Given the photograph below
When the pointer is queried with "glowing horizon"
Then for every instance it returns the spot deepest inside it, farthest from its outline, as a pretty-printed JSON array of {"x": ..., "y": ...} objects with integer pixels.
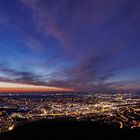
[
  {"x": 19, "y": 87},
  {"x": 85, "y": 45}
]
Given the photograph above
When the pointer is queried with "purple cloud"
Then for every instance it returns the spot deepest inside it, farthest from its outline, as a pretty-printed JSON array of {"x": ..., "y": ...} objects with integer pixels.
[{"x": 95, "y": 39}]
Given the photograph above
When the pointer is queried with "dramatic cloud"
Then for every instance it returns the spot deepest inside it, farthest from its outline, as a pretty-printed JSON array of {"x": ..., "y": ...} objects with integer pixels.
[{"x": 88, "y": 45}]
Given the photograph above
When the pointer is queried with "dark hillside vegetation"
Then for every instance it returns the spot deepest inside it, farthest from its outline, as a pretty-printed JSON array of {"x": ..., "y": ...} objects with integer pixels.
[{"x": 54, "y": 129}]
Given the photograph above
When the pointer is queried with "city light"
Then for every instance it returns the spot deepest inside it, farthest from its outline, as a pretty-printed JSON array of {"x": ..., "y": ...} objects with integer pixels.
[{"x": 119, "y": 112}]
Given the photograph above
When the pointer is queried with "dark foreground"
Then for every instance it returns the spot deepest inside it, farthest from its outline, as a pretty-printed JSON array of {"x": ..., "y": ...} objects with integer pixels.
[{"x": 50, "y": 130}]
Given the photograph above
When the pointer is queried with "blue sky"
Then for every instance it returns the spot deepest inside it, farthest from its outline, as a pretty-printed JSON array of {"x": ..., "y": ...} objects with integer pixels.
[{"x": 90, "y": 45}]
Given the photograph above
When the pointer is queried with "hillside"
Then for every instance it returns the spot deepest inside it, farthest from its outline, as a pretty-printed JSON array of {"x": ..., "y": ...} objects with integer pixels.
[{"x": 54, "y": 129}]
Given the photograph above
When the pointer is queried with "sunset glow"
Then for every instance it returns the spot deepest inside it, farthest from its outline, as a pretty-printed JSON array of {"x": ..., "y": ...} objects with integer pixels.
[
  {"x": 85, "y": 45},
  {"x": 18, "y": 87}
]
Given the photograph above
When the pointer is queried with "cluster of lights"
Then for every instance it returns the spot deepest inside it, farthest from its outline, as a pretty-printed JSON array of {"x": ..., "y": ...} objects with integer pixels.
[{"x": 120, "y": 110}]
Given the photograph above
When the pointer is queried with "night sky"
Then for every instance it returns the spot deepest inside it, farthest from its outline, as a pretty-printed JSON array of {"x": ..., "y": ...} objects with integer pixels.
[{"x": 83, "y": 45}]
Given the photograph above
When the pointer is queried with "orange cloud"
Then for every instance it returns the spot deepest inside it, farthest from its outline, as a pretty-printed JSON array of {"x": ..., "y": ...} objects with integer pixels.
[{"x": 17, "y": 87}]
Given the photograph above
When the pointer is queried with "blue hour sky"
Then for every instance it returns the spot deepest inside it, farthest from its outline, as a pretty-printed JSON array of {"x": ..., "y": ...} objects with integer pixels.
[{"x": 86, "y": 45}]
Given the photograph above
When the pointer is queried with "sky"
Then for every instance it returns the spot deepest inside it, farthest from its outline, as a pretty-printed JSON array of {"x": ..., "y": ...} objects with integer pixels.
[{"x": 79, "y": 45}]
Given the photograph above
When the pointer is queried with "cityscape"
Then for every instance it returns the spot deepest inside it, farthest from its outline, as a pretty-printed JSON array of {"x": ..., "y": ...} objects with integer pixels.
[
  {"x": 69, "y": 66},
  {"x": 118, "y": 110}
]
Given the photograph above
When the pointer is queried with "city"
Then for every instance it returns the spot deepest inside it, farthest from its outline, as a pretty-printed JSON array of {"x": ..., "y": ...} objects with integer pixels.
[
  {"x": 69, "y": 67},
  {"x": 118, "y": 110}
]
